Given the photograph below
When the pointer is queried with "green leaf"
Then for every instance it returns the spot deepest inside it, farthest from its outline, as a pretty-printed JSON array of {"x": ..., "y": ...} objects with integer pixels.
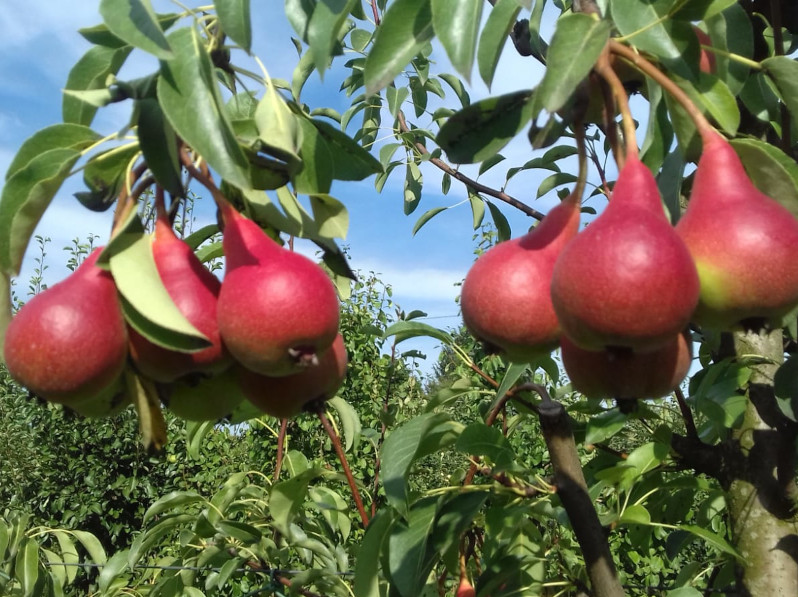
[
  {"x": 104, "y": 175},
  {"x": 68, "y": 553},
  {"x": 700, "y": 10},
  {"x": 90, "y": 72},
  {"x": 146, "y": 302},
  {"x": 784, "y": 73},
  {"x": 480, "y": 440},
  {"x": 135, "y": 22},
  {"x": 100, "y": 35},
  {"x": 406, "y": 27},
  {"x": 158, "y": 144},
  {"x": 553, "y": 181},
  {"x": 25, "y": 197},
  {"x": 500, "y": 221},
  {"x": 27, "y": 566},
  {"x": 407, "y": 549},
  {"x": 56, "y": 136},
  {"x": 287, "y": 497},
  {"x": 116, "y": 565},
  {"x": 235, "y": 19},
  {"x": 350, "y": 160},
  {"x": 635, "y": 514},
  {"x": 239, "y": 530},
  {"x": 171, "y": 501},
  {"x": 480, "y": 130},
  {"x": 330, "y": 216},
  {"x": 324, "y": 29},
  {"x": 604, "y": 426},
  {"x": 190, "y": 99},
  {"x": 494, "y": 37},
  {"x": 713, "y": 539},
  {"x": 350, "y": 421},
  {"x": 646, "y": 26},
  {"x": 369, "y": 553},
  {"x": 458, "y": 88},
  {"x": 418, "y": 437},
  {"x": 92, "y": 545},
  {"x": 316, "y": 173},
  {"x": 426, "y": 217},
  {"x": 5, "y": 319},
  {"x": 280, "y": 130},
  {"x": 477, "y": 209},
  {"x": 404, "y": 330},
  {"x": 456, "y": 23},
  {"x": 413, "y": 187},
  {"x": 575, "y": 47},
  {"x": 771, "y": 170}
]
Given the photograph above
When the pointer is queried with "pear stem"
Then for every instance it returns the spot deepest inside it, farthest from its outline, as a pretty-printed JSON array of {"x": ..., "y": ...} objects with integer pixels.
[
  {"x": 647, "y": 68},
  {"x": 581, "y": 153},
  {"x": 604, "y": 69},
  {"x": 278, "y": 465},
  {"x": 203, "y": 176},
  {"x": 339, "y": 450},
  {"x": 160, "y": 204}
]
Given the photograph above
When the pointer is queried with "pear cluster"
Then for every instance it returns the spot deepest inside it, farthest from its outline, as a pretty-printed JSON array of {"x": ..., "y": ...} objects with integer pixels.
[
  {"x": 271, "y": 326},
  {"x": 618, "y": 297}
]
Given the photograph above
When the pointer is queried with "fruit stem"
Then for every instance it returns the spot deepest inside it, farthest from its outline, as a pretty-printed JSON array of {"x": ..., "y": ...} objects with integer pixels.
[
  {"x": 687, "y": 414},
  {"x": 278, "y": 465},
  {"x": 339, "y": 450},
  {"x": 647, "y": 68},
  {"x": 203, "y": 176},
  {"x": 581, "y": 153},
  {"x": 160, "y": 204},
  {"x": 604, "y": 69}
]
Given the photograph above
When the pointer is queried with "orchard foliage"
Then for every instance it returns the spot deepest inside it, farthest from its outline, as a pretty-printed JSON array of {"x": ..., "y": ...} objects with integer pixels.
[{"x": 501, "y": 474}]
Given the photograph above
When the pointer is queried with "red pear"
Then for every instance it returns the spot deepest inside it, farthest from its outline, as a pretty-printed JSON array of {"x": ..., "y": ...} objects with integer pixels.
[
  {"x": 707, "y": 62},
  {"x": 744, "y": 243},
  {"x": 278, "y": 310},
  {"x": 284, "y": 397},
  {"x": 465, "y": 589},
  {"x": 69, "y": 343},
  {"x": 194, "y": 290},
  {"x": 627, "y": 280},
  {"x": 504, "y": 299},
  {"x": 624, "y": 374}
]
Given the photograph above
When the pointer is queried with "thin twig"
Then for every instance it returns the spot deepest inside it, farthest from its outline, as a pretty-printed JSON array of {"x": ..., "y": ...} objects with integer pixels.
[
  {"x": 375, "y": 13},
  {"x": 687, "y": 414},
  {"x": 339, "y": 450},
  {"x": 278, "y": 465},
  {"x": 385, "y": 402},
  {"x": 469, "y": 182}
]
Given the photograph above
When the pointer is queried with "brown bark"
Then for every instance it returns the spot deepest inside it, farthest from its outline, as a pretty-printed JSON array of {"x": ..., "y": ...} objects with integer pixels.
[{"x": 761, "y": 492}]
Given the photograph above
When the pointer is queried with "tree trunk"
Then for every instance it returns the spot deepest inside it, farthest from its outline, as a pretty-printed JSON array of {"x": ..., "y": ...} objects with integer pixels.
[{"x": 761, "y": 494}]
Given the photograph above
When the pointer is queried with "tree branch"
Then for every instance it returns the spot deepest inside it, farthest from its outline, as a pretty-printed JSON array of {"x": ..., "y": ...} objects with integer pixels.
[
  {"x": 469, "y": 182},
  {"x": 339, "y": 450}
]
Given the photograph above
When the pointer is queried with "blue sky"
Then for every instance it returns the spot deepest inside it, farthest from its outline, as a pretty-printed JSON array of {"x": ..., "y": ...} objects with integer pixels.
[{"x": 41, "y": 44}]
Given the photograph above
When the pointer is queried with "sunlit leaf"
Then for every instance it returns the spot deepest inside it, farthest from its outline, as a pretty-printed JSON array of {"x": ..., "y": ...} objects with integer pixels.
[{"x": 135, "y": 22}]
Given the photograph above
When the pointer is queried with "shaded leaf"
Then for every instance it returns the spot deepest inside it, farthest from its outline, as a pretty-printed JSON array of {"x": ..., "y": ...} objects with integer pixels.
[
  {"x": 90, "y": 72},
  {"x": 190, "y": 99},
  {"x": 575, "y": 47},
  {"x": 456, "y": 24},
  {"x": 25, "y": 197},
  {"x": 479, "y": 131},
  {"x": 235, "y": 19},
  {"x": 494, "y": 37},
  {"x": 135, "y": 22},
  {"x": 158, "y": 144},
  {"x": 406, "y": 27}
]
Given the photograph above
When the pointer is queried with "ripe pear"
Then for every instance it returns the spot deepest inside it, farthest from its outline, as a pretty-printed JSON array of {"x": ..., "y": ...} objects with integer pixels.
[
  {"x": 744, "y": 243},
  {"x": 194, "y": 290},
  {"x": 627, "y": 280},
  {"x": 278, "y": 310},
  {"x": 284, "y": 397},
  {"x": 624, "y": 374},
  {"x": 465, "y": 589},
  {"x": 203, "y": 398},
  {"x": 69, "y": 342},
  {"x": 504, "y": 299},
  {"x": 707, "y": 62}
]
